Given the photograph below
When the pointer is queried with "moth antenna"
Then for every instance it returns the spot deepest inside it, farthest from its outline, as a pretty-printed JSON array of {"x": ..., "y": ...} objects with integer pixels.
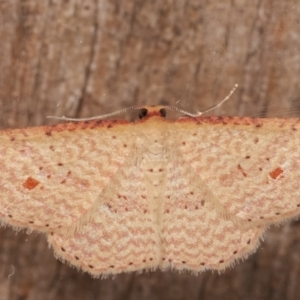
[
  {"x": 118, "y": 112},
  {"x": 199, "y": 113}
]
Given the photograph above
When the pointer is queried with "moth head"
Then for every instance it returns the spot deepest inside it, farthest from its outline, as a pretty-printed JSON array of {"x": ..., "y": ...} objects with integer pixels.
[{"x": 150, "y": 111}]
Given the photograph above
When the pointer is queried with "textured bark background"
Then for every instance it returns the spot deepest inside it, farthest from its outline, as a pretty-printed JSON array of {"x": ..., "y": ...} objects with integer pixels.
[{"x": 83, "y": 58}]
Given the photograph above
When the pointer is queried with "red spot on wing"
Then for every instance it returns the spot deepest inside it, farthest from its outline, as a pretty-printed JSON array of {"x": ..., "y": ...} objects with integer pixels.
[
  {"x": 276, "y": 172},
  {"x": 30, "y": 183}
]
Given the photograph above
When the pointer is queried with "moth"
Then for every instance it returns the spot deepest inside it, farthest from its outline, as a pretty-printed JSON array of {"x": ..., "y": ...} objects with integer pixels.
[{"x": 115, "y": 196}]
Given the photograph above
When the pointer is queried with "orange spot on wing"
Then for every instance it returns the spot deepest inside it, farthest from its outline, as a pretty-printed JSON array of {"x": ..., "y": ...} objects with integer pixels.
[
  {"x": 276, "y": 172},
  {"x": 30, "y": 183}
]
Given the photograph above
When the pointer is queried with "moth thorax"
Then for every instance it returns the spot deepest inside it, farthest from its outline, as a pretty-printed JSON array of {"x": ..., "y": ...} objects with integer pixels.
[
  {"x": 154, "y": 146},
  {"x": 154, "y": 158}
]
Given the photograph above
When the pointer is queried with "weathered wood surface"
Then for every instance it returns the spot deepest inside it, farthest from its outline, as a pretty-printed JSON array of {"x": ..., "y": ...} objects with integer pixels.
[{"x": 82, "y": 58}]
